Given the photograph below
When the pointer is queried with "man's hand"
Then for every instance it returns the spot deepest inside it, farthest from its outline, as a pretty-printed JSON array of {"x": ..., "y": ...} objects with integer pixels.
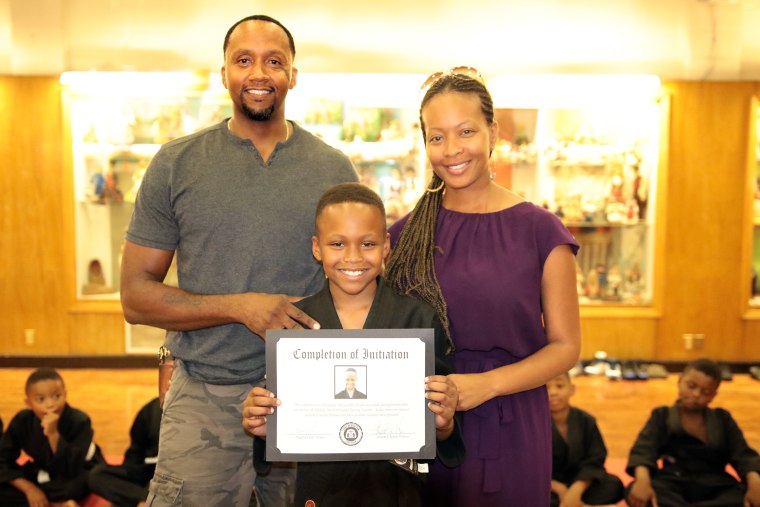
[
  {"x": 259, "y": 312},
  {"x": 258, "y": 404}
]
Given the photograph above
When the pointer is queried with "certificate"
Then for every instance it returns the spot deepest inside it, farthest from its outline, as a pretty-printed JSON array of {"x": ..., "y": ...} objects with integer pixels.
[{"x": 350, "y": 394}]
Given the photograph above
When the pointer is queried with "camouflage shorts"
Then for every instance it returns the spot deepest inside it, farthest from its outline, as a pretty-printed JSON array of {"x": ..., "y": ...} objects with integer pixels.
[{"x": 205, "y": 457}]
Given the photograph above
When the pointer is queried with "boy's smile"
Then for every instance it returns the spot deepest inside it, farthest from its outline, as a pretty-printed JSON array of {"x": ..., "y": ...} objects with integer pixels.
[{"x": 351, "y": 242}]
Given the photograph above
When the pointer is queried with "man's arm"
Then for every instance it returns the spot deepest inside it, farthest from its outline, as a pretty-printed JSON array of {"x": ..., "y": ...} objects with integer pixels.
[{"x": 147, "y": 300}]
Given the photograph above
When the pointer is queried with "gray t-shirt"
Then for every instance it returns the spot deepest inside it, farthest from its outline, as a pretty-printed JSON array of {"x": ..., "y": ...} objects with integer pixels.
[{"x": 237, "y": 224}]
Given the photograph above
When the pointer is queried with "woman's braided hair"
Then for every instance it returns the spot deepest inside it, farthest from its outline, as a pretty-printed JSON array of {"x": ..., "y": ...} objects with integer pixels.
[{"x": 411, "y": 268}]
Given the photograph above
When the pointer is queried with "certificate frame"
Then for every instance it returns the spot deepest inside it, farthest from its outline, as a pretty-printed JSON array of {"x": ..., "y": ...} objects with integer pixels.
[{"x": 312, "y": 424}]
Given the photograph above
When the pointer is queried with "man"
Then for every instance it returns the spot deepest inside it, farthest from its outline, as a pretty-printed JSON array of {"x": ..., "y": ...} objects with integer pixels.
[{"x": 236, "y": 202}]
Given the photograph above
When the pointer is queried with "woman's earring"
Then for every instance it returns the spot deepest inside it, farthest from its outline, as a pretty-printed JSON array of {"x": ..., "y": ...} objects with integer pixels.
[{"x": 436, "y": 189}]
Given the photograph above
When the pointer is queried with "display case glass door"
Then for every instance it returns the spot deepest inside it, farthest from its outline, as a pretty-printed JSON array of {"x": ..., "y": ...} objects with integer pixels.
[{"x": 594, "y": 163}]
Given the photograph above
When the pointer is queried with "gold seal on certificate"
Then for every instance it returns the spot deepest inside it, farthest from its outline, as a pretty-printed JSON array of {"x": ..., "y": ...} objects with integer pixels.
[{"x": 355, "y": 394}]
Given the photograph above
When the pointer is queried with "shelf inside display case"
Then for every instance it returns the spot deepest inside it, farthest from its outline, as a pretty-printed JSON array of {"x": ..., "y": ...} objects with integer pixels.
[
  {"x": 593, "y": 165},
  {"x": 595, "y": 169},
  {"x": 118, "y": 121}
]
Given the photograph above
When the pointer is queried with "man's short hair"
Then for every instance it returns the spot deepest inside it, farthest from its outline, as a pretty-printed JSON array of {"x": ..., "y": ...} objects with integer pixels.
[{"x": 259, "y": 17}]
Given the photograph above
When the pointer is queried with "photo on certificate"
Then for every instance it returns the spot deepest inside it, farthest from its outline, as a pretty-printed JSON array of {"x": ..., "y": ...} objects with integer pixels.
[
  {"x": 353, "y": 394},
  {"x": 352, "y": 382}
]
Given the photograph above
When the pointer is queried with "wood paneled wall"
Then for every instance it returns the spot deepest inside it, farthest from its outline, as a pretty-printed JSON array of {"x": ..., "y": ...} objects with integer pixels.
[
  {"x": 33, "y": 295},
  {"x": 36, "y": 231},
  {"x": 705, "y": 221},
  {"x": 701, "y": 236}
]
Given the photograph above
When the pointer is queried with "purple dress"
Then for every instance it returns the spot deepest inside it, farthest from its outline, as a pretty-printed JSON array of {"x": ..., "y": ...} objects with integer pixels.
[{"x": 490, "y": 272}]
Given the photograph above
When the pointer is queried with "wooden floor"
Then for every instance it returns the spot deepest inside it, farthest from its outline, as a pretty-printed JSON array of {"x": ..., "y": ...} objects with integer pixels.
[{"x": 113, "y": 397}]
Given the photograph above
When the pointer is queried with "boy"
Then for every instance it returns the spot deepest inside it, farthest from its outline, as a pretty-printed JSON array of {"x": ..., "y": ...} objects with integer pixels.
[
  {"x": 578, "y": 453},
  {"x": 127, "y": 484},
  {"x": 57, "y": 438},
  {"x": 350, "y": 392},
  {"x": 695, "y": 443},
  {"x": 351, "y": 242}
]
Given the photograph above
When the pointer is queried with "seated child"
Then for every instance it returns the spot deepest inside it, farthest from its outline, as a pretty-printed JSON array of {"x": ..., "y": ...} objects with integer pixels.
[
  {"x": 127, "y": 484},
  {"x": 351, "y": 242},
  {"x": 695, "y": 443},
  {"x": 578, "y": 453},
  {"x": 57, "y": 438}
]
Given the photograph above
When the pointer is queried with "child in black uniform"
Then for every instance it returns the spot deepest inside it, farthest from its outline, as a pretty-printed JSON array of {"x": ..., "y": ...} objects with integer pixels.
[
  {"x": 578, "y": 453},
  {"x": 351, "y": 242},
  {"x": 127, "y": 484},
  {"x": 57, "y": 438},
  {"x": 695, "y": 443}
]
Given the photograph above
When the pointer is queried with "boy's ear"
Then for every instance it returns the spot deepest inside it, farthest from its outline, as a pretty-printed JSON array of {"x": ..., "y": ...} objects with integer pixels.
[
  {"x": 315, "y": 251},
  {"x": 387, "y": 246},
  {"x": 572, "y": 389}
]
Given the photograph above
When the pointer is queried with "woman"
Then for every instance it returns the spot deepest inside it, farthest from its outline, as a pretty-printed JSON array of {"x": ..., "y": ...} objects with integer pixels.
[{"x": 501, "y": 273}]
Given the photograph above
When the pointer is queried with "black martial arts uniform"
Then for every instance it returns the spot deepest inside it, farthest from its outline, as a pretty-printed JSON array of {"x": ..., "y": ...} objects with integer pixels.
[
  {"x": 581, "y": 457},
  {"x": 693, "y": 472},
  {"x": 343, "y": 395},
  {"x": 61, "y": 475},
  {"x": 375, "y": 483},
  {"x": 127, "y": 484}
]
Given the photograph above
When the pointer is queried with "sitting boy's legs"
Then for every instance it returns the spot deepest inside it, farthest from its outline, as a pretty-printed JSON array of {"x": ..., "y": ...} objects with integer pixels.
[
  {"x": 59, "y": 490},
  {"x": 710, "y": 491},
  {"x": 726, "y": 498},
  {"x": 118, "y": 485},
  {"x": 668, "y": 493},
  {"x": 607, "y": 490},
  {"x": 12, "y": 497}
]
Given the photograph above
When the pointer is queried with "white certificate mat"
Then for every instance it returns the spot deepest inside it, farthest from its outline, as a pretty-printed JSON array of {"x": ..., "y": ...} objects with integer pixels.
[{"x": 312, "y": 372}]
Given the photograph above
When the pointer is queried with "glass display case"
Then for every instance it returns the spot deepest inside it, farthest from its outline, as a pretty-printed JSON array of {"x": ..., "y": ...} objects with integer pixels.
[
  {"x": 117, "y": 123},
  {"x": 374, "y": 119},
  {"x": 589, "y": 152},
  {"x": 592, "y": 162}
]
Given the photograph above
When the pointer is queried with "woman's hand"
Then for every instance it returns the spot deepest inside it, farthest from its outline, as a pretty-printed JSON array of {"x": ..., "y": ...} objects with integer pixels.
[
  {"x": 443, "y": 396},
  {"x": 474, "y": 389}
]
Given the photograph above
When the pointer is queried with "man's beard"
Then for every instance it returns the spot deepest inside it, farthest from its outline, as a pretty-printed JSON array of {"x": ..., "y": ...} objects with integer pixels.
[{"x": 262, "y": 115}]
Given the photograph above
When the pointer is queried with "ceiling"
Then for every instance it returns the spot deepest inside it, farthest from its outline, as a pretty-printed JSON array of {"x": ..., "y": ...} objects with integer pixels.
[{"x": 675, "y": 39}]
